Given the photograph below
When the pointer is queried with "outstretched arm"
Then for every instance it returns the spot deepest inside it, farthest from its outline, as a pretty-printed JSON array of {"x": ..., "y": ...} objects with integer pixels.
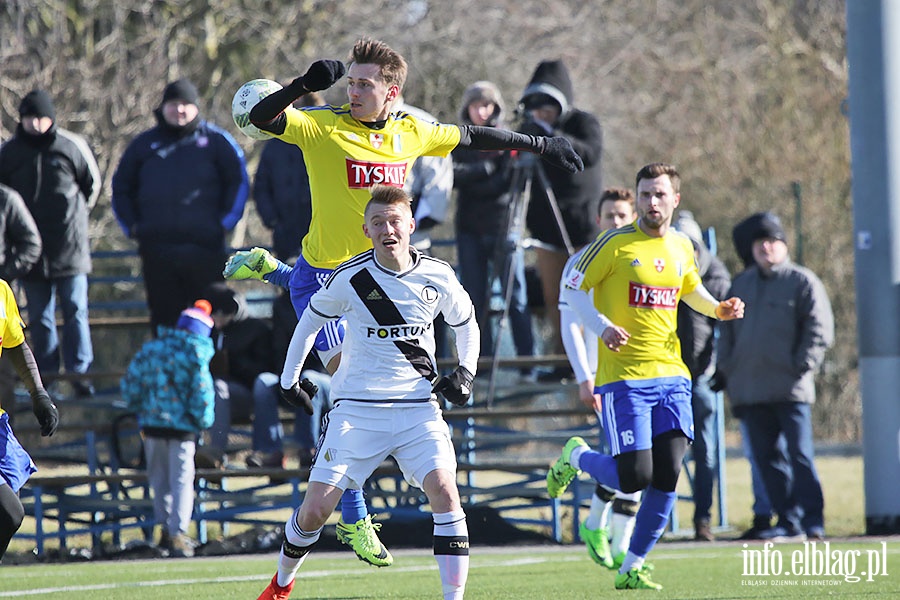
[
  {"x": 257, "y": 263},
  {"x": 702, "y": 301},
  {"x": 268, "y": 114},
  {"x": 557, "y": 150}
]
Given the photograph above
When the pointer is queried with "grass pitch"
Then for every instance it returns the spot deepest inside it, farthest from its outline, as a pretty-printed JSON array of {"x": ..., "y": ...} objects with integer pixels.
[{"x": 686, "y": 570}]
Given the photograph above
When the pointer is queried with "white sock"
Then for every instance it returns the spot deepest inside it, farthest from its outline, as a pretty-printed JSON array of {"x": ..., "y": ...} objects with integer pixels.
[
  {"x": 598, "y": 517},
  {"x": 575, "y": 456},
  {"x": 451, "y": 551},
  {"x": 632, "y": 561},
  {"x": 620, "y": 532},
  {"x": 287, "y": 565}
]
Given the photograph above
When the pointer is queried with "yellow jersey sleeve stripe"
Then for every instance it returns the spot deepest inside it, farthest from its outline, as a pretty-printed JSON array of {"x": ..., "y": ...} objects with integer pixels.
[{"x": 594, "y": 247}]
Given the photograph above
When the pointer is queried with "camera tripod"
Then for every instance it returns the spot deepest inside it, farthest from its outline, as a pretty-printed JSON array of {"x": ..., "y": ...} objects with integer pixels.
[{"x": 527, "y": 171}]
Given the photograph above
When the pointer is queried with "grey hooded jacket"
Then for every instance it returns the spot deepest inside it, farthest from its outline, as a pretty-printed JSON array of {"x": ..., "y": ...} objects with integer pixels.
[{"x": 773, "y": 353}]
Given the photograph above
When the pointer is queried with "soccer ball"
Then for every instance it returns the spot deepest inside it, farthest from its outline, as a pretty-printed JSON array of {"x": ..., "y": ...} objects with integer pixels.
[{"x": 245, "y": 99}]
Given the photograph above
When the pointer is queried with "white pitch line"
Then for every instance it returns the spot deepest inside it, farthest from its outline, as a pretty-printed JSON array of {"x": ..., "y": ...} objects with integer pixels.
[{"x": 301, "y": 575}]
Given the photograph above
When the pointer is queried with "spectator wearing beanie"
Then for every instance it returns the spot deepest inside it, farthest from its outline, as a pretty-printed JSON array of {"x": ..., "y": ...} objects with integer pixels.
[
  {"x": 746, "y": 231},
  {"x": 57, "y": 176},
  {"x": 169, "y": 386},
  {"x": 483, "y": 181},
  {"x": 179, "y": 188},
  {"x": 767, "y": 362},
  {"x": 548, "y": 103}
]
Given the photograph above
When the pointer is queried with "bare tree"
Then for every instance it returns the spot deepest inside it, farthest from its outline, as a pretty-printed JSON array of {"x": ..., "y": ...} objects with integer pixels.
[{"x": 745, "y": 97}]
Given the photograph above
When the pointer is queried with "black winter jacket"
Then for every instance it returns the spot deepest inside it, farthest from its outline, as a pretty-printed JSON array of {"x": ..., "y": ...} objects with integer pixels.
[
  {"x": 281, "y": 193},
  {"x": 58, "y": 178},
  {"x": 20, "y": 241},
  {"x": 482, "y": 180},
  {"x": 576, "y": 194},
  {"x": 243, "y": 348}
]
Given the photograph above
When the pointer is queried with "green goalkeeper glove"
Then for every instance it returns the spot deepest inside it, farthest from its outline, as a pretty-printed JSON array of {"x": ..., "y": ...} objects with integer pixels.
[{"x": 255, "y": 263}]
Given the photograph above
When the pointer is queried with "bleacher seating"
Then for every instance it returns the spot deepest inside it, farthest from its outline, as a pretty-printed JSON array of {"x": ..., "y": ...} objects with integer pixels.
[{"x": 505, "y": 444}]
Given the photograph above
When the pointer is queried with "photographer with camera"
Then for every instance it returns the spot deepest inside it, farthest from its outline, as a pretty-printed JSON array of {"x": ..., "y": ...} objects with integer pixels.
[{"x": 546, "y": 106}]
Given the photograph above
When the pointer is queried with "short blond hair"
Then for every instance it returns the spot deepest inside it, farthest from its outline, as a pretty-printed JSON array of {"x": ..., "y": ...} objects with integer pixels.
[
  {"x": 386, "y": 195},
  {"x": 374, "y": 52}
]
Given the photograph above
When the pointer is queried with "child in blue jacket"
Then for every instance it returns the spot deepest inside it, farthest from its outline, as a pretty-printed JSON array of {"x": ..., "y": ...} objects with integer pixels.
[{"x": 169, "y": 386}]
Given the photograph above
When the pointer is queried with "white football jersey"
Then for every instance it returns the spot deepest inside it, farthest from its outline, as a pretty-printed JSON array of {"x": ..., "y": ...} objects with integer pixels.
[{"x": 388, "y": 350}]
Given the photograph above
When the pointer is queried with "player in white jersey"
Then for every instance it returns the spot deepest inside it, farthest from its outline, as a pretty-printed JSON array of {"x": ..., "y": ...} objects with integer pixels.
[
  {"x": 610, "y": 521},
  {"x": 384, "y": 389},
  {"x": 347, "y": 149}
]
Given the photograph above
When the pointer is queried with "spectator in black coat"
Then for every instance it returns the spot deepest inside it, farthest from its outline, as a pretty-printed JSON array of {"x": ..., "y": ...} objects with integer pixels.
[
  {"x": 547, "y": 103},
  {"x": 20, "y": 240},
  {"x": 57, "y": 176},
  {"x": 20, "y": 249}
]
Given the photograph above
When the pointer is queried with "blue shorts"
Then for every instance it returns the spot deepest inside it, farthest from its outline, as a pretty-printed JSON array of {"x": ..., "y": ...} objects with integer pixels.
[
  {"x": 306, "y": 280},
  {"x": 636, "y": 411},
  {"x": 16, "y": 465}
]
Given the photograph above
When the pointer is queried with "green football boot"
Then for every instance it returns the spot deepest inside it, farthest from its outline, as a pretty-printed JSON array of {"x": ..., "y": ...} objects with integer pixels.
[{"x": 562, "y": 473}]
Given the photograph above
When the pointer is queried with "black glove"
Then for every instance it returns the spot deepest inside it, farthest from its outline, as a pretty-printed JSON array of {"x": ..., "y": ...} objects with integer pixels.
[
  {"x": 558, "y": 151},
  {"x": 322, "y": 74},
  {"x": 45, "y": 411},
  {"x": 717, "y": 382},
  {"x": 456, "y": 387},
  {"x": 300, "y": 395}
]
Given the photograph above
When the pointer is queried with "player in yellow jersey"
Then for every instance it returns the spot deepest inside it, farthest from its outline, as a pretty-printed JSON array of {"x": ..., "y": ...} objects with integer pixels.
[
  {"x": 607, "y": 530},
  {"x": 638, "y": 274},
  {"x": 348, "y": 149},
  {"x": 16, "y": 465}
]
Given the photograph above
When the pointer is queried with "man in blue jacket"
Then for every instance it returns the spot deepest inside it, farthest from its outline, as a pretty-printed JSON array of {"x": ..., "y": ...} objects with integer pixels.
[{"x": 178, "y": 189}]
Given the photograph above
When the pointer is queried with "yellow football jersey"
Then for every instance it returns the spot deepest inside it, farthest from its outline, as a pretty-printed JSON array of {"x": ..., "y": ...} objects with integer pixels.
[
  {"x": 12, "y": 331},
  {"x": 637, "y": 282},
  {"x": 344, "y": 158}
]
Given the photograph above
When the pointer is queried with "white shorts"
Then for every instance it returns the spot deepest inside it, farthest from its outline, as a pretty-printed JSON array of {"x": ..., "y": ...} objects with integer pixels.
[{"x": 359, "y": 436}]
